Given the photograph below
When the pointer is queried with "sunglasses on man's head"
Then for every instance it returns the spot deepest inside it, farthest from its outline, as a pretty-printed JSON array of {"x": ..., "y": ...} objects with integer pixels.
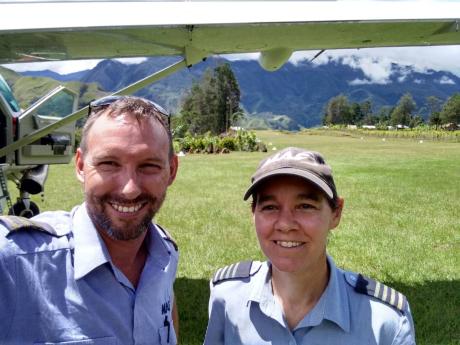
[{"x": 106, "y": 101}]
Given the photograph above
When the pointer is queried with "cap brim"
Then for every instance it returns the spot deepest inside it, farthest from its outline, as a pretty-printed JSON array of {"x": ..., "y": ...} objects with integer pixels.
[{"x": 292, "y": 172}]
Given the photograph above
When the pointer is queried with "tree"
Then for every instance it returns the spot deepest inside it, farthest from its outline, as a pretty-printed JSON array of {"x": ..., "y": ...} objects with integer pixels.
[
  {"x": 338, "y": 111},
  {"x": 434, "y": 105},
  {"x": 402, "y": 114},
  {"x": 212, "y": 105},
  {"x": 228, "y": 97},
  {"x": 356, "y": 114},
  {"x": 384, "y": 116},
  {"x": 361, "y": 113},
  {"x": 451, "y": 110}
]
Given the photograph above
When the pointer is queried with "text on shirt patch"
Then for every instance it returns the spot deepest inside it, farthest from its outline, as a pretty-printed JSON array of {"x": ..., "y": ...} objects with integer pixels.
[{"x": 165, "y": 307}]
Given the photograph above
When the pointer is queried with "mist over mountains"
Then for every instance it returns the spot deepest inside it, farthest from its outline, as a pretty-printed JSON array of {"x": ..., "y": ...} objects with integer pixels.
[{"x": 299, "y": 91}]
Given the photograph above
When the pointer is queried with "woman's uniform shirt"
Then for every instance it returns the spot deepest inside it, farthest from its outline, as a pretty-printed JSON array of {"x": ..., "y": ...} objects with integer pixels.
[{"x": 352, "y": 310}]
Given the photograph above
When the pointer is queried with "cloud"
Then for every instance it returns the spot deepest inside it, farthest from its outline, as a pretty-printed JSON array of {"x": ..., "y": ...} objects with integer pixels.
[
  {"x": 445, "y": 80},
  {"x": 360, "y": 82},
  {"x": 65, "y": 67},
  {"x": 61, "y": 67},
  {"x": 378, "y": 63},
  {"x": 236, "y": 57}
]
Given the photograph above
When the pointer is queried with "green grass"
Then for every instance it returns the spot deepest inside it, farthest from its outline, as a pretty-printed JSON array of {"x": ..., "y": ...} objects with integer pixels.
[{"x": 400, "y": 223}]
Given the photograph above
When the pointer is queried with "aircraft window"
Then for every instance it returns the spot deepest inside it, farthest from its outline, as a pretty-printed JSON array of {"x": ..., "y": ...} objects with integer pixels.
[
  {"x": 59, "y": 105},
  {"x": 8, "y": 95}
]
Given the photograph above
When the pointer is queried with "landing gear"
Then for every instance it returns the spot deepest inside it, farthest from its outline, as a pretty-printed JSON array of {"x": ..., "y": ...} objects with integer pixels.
[
  {"x": 21, "y": 209},
  {"x": 29, "y": 181}
]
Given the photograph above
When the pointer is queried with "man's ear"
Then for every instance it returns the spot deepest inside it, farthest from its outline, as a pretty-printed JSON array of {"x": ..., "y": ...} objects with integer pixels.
[
  {"x": 337, "y": 213},
  {"x": 173, "y": 166},
  {"x": 79, "y": 165}
]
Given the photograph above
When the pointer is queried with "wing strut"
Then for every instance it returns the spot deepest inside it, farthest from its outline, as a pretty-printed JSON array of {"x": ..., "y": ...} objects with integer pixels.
[{"x": 84, "y": 111}]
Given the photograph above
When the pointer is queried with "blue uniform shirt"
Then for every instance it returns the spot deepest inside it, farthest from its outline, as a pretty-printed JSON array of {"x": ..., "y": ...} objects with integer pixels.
[
  {"x": 243, "y": 310},
  {"x": 65, "y": 288}
]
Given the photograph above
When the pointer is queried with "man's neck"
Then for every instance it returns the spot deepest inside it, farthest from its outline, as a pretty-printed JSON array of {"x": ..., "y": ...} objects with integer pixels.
[{"x": 128, "y": 256}]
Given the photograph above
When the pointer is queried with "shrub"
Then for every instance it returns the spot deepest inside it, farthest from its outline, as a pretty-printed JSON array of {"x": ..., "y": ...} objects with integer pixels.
[{"x": 234, "y": 141}]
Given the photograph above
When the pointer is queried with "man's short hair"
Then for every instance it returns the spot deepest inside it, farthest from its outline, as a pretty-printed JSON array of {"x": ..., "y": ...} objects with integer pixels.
[{"x": 135, "y": 107}]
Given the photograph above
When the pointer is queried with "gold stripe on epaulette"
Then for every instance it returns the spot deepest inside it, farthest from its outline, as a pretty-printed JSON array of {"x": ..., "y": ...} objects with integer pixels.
[
  {"x": 400, "y": 300},
  {"x": 233, "y": 269},
  {"x": 377, "y": 289},
  {"x": 385, "y": 293},
  {"x": 14, "y": 222},
  {"x": 226, "y": 272},
  {"x": 392, "y": 296},
  {"x": 218, "y": 273}
]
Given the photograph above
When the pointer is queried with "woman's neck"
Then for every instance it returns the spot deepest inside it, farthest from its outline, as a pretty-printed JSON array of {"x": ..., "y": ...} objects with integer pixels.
[{"x": 298, "y": 292}]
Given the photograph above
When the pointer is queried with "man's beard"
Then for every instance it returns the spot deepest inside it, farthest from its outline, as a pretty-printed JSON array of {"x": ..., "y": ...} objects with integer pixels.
[{"x": 129, "y": 231}]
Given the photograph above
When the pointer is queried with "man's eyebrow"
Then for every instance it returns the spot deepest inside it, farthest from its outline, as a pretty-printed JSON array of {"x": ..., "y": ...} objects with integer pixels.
[{"x": 104, "y": 156}]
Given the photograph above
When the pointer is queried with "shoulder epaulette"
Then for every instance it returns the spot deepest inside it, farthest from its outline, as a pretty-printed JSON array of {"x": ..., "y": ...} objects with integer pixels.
[
  {"x": 378, "y": 290},
  {"x": 168, "y": 237},
  {"x": 239, "y": 270},
  {"x": 15, "y": 223}
]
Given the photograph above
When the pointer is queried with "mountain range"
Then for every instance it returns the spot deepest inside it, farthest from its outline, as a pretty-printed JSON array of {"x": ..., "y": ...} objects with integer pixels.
[{"x": 292, "y": 97}]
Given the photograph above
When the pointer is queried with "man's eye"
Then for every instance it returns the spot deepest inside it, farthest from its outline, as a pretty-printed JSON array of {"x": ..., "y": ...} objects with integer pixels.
[
  {"x": 106, "y": 165},
  {"x": 150, "y": 168}
]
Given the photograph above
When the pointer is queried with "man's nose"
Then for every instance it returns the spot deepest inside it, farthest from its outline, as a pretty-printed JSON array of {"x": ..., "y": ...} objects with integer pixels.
[{"x": 130, "y": 184}]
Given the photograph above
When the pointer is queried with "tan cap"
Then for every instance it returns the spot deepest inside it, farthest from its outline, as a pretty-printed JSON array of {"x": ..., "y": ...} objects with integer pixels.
[{"x": 295, "y": 161}]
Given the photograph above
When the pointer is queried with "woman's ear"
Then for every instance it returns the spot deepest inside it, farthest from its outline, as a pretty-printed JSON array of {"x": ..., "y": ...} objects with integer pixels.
[{"x": 337, "y": 213}]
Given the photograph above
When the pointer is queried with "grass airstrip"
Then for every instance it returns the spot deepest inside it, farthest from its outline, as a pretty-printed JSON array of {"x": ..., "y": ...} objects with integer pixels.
[{"x": 400, "y": 224}]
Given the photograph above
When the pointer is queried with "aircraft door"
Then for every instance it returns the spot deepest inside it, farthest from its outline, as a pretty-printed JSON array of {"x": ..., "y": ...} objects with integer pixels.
[
  {"x": 56, "y": 147},
  {"x": 9, "y": 110}
]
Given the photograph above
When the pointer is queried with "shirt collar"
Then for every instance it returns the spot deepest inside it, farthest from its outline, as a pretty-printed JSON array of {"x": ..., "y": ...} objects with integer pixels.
[
  {"x": 337, "y": 308},
  {"x": 159, "y": 252},
  {"x": 262, "y": 291},
  {"x": 90, "y": 250},
  {"x": 333, "y": 304}
]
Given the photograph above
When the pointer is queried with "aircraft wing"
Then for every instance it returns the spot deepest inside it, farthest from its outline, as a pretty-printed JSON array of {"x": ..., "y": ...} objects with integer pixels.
[{"x": 66, "y": 30}]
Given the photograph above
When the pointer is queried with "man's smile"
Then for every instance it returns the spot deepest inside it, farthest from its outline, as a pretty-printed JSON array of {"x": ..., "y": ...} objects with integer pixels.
[{"x": 127, "y": 208}]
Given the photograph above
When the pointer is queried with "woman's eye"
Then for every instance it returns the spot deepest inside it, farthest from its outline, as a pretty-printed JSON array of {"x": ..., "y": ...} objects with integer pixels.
[
  {"x": 306, "y": 206},
  {"x": 268, "y": 207}
]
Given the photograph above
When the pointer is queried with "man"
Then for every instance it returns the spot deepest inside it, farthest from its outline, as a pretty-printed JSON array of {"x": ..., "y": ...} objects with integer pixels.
[
  {"x": 299, "y": 296},
  {"x": 102, "y": 273}
]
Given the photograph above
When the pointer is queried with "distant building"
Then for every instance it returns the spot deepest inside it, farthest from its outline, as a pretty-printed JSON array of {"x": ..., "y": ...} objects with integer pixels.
[
  {"x": 450, "y": 126},
  {"x": 369, "y": 127}
]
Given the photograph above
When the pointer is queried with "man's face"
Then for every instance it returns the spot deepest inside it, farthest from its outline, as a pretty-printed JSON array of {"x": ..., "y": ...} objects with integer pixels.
[
  {"x": 292, "y": 220},
  {"x": 125, "y": 173}
]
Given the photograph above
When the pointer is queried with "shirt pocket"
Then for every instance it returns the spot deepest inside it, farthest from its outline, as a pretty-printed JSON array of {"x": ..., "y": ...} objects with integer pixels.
[{"x": 95, "y": 341}]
